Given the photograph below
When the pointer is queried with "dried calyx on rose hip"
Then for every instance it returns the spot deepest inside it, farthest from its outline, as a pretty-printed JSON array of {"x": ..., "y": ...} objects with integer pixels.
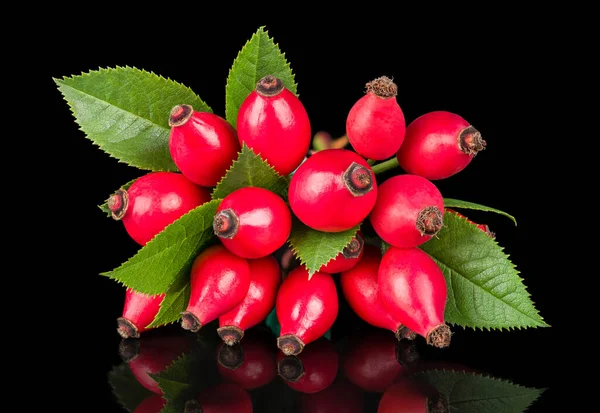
[
  {"x": 348, "y": 258},
  {"x": 139, "y": 310}
]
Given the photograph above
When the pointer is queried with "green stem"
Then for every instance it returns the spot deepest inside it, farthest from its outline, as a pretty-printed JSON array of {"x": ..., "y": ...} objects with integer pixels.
[
  {"x": 385, "y": 166},
  {"x": 371, "y": 161}
]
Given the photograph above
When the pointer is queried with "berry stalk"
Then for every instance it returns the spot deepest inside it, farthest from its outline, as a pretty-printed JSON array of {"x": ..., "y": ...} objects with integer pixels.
[{"x": 385, "y": 166}]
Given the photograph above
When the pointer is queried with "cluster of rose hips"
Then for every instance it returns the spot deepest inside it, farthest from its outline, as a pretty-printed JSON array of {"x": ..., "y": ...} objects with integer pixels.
[{"x": 238, "y": 281}]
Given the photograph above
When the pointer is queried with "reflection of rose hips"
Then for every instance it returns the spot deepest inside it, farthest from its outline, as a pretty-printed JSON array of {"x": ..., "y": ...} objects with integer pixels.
[
  {"x": 312, "y": 371},
  {"x": 220, "y": 398},
  {"x": 348, "y": 258},
  {"x": 341, "y": 396},
  {"x": 413, "y": 289},
  {"x": 333, "y": 191},
  {"x": 305, "y": 309},
  {"x": 202, "y": 145},
  {"x": 360, "y": 285},
  {"x": 273, "y": 122},
  {"x": 483, "y": 227},
  {"x": 265, "y": 277},
  {"x": 438, "y": 145},
  {"x": 151, "y": 404},
  {"x": 138, "y": 312},
  {"x": 412, "y": 396},
  {"x": 154, "y": 201},
  {"x": 252, "y": 222},
  {"x": 375, "y": 124},
  {"x": 408, "y": 212},
  {"x": 219, "y": 281}
]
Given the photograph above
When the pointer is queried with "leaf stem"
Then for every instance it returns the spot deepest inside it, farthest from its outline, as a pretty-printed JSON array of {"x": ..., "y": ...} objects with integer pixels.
[
  {"x": 371, "y": 161},
  {"x": 385, "y": 166}
]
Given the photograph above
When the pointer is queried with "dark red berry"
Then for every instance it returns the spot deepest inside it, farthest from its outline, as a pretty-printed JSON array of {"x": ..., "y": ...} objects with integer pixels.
[
  {"x": 408, "y": 212},
  {"x": 202, "y": 145},
  {"x": 265, "y": 278},
  {"x": 484, "y": 227},
  {"x": 273, "y": 122},
  {"x": 306, "y": 309},
  {"x": 253, "y": 222},
  {"x": 341, "y": 396},
  {"x": 333, "y": 190},
  {"x": 412, "y": 396},
  {"x": 154, "y": 201},
  {"x": 220, "y": 398},
  {"x": 375, "y": 125},
  {"x": 413, "y": 289},
  {"x": 139, "y": 310},
  {"x": 360, "y": 288},
  {"x": 312, "y": 371},
  {"x": 219, "y": 281},
  {"x": 348, "y": 258},
  {"x": 438, "y": 145},
  {"x": 151, "y": 404}
]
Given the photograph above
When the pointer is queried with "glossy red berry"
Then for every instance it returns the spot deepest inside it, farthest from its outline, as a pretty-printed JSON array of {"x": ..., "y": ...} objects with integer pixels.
[
  {"x": 348, "y": 258},
  {"x": 220, "y": 398},
  {"x": 253, "y": 222},
  {"x": 138, "y": 312},
  {"x": 341, "y": 396},
  {"x": 306, "y": 309},
  {"x": 438, "y": 145},
  {"x": 151, "y": 404},
  {"x": 219, "y": 281},
  {"x": 375, "y": 125},
  {"x": 413, "y": 289},
  {"x": 273, "y": 122},
  {"x": 265, "y": 278},
  {"x": 154, "y": 201},
  {"x": 408, "y": 212},
  {"x": 360, "y": 288},
  {"x": 373, "y": 361},
  {"x": 333, "y": 190},
  {"x": 202, "y": 145},
  {"x": 484, "y": 227},
  {"x": 412, "y": 396},
  {"x": 312, "y": 371}
]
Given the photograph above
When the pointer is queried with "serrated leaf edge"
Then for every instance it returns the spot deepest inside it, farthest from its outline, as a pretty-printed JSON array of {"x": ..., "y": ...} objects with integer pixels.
[{"x": 480, "y": 208}]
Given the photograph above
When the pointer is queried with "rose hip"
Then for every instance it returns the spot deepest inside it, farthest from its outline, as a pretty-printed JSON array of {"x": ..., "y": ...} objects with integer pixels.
[
  {"x": 202, "y": 145},
  {"x": 273, "y": 122},
  {"x": 348, "y": 258},
  {"x": 252, "y": 222},
  {"x": 413, "y": 289},
  {"x": 265, "y": 278},
  {"x": 219, "y": 281},
  {"x": 341, "y": 396},
  {"x": 438, "y": 145},
  {"x": 333, "y": 190},
  {"x": 220, "y": 398},
  {"x": 154, "y": 201},
  {"x": 151, "y": 404},
  {"x": 138, "y": 312},
  {"x": 412, "y": 396},
  {"x": 408, "y": 212},
  {"x": 306, "y": 309},
  {"x": 375, "y": 125}
]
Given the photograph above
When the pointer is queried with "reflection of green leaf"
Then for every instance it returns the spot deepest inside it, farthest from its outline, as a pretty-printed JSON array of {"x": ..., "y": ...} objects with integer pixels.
[
  {"x": 484, "y": 288},
  {"x": 127, "y": 389},
  {"x": 475, "y": 393},
  {"x": 456, "y": 203}
]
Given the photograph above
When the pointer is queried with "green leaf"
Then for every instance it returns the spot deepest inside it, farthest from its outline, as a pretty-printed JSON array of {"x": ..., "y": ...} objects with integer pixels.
[
  {"x": 104, "y": 206},
  {"x": 316, "y": 248},
  {"x": 126, "y": 388},
  {"x": 259, "y": 57},
  {"x": 484, "y": 288},
  {"x": 125, "y": 111},
  {"x": 475, "y": 393},
  {"x": 170, "y": 254},
  {"x": 456, "y": 203},
  {"x": 249, "y": 169},
  {"x": 174, "y": 303}
]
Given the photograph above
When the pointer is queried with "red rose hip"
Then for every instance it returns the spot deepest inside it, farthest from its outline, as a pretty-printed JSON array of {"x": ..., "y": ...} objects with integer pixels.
[
  {"x": 252, "y": 222},
  {"x": 439, "y": 144},
  {"x": 412, "y": 396},
  {"x": 333, "y": 190},
  {"x": 306, "y": 309},
  {"x": 273, "y": 122},
  {"x": 219, "y": 281},
  {"x": 202, "y": 145},
  {"x": 151, "y": 404},
  {"x": 220, "y": 398},
  {"x": 375, "y": 125},
  {"x": 413, "y": 289},
  {"x": 408, "y": 212},
  {"x": 138, "y": 312},
  {"x": 154, "y": 201},
  {"x": 265, "y": 278},
  {"x": 348, "y": 258}
]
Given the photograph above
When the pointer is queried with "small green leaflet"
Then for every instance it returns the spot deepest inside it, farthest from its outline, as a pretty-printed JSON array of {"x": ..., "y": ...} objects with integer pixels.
[
  {"x": 316, "y": 248},
  {"x": 126, "y": 388},
  {"x": 249, "y": 169},
  {"x": 170, "y": 254},
  {"x": 484, "y": 288},
  {"x": 104, "y": 206},
  {"x": 174, "y": 303},
  {"x": 475, "y": 393},
  {"x": 125, "y": 111},
  {"x": 259, "y": 57},
  {"x": 456, "y": 203}
]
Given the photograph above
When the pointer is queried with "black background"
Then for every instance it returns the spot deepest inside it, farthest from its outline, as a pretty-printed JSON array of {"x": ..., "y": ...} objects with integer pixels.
[{"x": 485, "y": 68}]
